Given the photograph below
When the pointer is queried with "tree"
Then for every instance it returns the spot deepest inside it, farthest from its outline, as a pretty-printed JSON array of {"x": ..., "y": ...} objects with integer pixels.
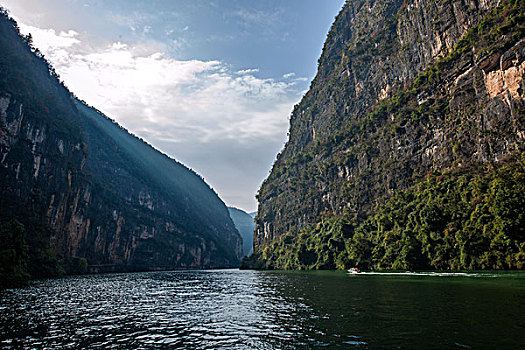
[{"x": 13, "y": 255}]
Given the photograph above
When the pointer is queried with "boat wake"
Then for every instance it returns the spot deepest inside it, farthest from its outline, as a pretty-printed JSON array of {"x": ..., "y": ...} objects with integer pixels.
[{"x": 430, "y": 273}]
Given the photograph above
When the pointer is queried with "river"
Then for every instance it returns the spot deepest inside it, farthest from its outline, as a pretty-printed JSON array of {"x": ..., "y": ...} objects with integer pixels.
[{"x": 232, "y": 309}]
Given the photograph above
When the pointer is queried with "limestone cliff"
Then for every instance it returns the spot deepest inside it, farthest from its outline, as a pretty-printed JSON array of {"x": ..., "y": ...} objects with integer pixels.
[{"x": 404, "y": 89}]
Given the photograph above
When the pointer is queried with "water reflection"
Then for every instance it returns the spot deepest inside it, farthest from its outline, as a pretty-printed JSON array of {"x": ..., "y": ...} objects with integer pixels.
[
  {"x": 410, "y": 311},
  {"x": 233, "y": 309}
]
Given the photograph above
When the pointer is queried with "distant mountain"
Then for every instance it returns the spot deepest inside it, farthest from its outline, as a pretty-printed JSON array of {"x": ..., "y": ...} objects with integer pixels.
[
  {"x": 245, "y": 224},
  {"x": 408, "y": 150},
  {"x": 253, "y": 214},
  {"x": 79, "y": 192}
]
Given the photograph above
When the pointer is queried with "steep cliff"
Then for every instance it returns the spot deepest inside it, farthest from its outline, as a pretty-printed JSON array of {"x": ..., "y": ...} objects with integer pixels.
[
  {"x": 245, "y": 225},
  {"x": 404, "y": 90},
  {"x": 84, "y": 188}
]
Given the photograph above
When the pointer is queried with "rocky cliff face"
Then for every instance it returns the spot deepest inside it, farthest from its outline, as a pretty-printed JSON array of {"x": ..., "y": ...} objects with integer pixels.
[
  {"x": 84, "y": 187},
  {"x": 404, "y": 88}
]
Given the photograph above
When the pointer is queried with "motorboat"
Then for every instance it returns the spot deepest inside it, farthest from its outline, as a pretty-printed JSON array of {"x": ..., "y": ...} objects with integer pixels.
[{"x": 354, "y": 270}]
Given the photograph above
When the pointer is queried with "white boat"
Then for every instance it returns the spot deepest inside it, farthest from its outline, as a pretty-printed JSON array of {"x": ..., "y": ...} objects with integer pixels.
[{"x": 354, "y": 270}]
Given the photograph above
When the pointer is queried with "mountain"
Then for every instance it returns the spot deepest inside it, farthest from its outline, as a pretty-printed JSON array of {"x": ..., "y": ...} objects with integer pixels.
[
  {"x": 79, "y": 192},
  {"x": 245, "y": 225},
  {"x": 407, "y": 150}
]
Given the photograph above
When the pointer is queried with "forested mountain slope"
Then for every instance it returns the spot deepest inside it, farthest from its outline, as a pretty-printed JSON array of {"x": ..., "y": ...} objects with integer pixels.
[
  {"x": 78, "y": 191},
  {"x": 407, "y": 151},
  {"x": 245, "y": 225}
]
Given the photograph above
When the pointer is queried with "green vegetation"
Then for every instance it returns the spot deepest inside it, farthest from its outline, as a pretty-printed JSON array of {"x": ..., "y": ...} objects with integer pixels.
[
  {"x": 24, "y": 256},
  {"x": 450, "y": 221},
  {"x": 76, "y": 266},
  {"x": 13, "y": 255}
]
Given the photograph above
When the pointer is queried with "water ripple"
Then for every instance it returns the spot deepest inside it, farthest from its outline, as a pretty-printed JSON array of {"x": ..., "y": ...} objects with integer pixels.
[{"x": 232, "y": 309}]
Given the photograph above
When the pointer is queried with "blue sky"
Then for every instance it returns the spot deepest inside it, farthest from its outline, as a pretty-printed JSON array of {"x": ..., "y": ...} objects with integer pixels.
[{"x": 211, "y": 83}]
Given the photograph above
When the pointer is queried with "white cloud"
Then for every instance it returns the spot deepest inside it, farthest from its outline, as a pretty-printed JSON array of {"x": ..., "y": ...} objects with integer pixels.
[
  {"x": 292, "y": 76},
  {"x": 247, "y": 71},
  {"x": 179, "y": 106},
  {"x": 48, "y": 40}
]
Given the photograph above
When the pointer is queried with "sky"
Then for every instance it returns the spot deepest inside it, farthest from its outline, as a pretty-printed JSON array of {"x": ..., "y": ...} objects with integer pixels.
[{"x": 210, "y": 83}]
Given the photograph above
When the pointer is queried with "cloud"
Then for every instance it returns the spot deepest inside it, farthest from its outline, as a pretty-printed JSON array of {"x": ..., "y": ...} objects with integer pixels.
[
  {"x": 202, "y": 113},
  {"x": 292, "y": 76},
  {"x": 258, "y": 18},
  {"x": 180, "y": 100},
  {"x": 134, "y": 19},
  {"x": 48, "y": 40},
  {"x": 247, "y": 71},
  {"x": 269, "y": 24}
]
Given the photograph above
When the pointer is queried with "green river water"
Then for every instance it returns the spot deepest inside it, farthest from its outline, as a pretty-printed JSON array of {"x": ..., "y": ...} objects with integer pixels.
[{"x": 232, "y": 309}]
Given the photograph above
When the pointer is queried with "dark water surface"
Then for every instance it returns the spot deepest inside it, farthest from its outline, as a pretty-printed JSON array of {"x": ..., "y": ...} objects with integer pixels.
[{"x": 231, "y": 309}]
